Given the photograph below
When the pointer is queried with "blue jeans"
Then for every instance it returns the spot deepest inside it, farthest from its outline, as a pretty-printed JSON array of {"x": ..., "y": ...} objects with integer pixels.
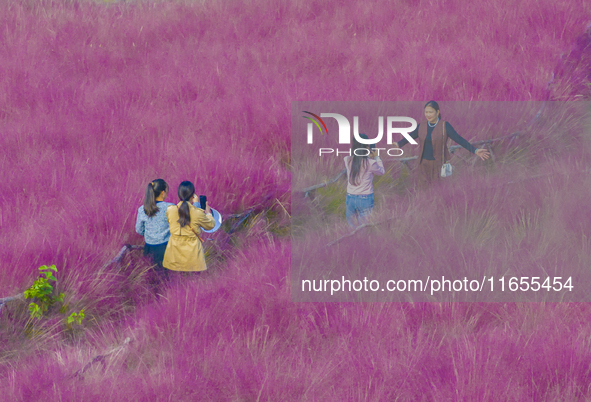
[{"x": 359, "y": 206}]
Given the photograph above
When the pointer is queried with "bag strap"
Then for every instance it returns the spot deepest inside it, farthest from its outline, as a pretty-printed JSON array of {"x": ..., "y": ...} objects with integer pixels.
[
  {"x": 443, "y": 147},
  {"x": 199, "y": 237},
  {"x": 196, "y": 234}
]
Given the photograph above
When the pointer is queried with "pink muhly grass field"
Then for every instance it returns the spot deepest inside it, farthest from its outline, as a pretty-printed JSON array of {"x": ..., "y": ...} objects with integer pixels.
[{"x": 96, "y": 100}]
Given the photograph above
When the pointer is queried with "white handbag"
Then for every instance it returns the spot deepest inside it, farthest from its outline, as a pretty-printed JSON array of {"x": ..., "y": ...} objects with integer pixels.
[{"x": 446, "y": 169}]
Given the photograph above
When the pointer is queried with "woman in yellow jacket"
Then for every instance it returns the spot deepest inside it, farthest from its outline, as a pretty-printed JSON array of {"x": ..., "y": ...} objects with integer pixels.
[{"x": 184, "y": 251}]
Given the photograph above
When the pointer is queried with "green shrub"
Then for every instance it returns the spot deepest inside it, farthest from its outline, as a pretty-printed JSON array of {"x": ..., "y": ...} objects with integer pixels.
[
  {"x": 41, "y": 292},
  {"x": 78, "y": 317}
]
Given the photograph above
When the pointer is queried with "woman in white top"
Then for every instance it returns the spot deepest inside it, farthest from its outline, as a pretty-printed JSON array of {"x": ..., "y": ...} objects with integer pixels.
[
  {"x": 361, "y": 167},
  {"x": 152, "y": 223}
]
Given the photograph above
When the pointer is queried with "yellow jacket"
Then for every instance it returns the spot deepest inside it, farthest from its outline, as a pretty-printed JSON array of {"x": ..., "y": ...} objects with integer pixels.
[{"x": 184, "y": 251}]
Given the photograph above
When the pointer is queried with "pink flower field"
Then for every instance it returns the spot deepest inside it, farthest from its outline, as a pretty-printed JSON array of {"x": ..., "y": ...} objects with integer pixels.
[{"x": 99, "y": 98}]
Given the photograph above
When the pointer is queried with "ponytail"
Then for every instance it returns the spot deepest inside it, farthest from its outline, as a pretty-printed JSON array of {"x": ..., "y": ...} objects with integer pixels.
[
  {"x": 185, "y": 193},
  {"x": 184, "y": 214},
  {"x": 153, "y": 191}
]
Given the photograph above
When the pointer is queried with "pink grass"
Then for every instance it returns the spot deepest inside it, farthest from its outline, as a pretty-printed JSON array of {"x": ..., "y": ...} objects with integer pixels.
[{"x": 96, "y": 100}]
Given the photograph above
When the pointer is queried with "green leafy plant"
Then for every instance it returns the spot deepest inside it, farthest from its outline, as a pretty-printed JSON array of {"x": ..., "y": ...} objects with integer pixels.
[
  {"x": 76, "y": 317},
  {"x": 41, "y": 291}
]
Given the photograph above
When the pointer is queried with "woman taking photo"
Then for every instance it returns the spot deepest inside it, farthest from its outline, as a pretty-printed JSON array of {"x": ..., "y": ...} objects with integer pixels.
[
  {"x": 184, "y": 251},
  {"x": 433, "y": 134},
  {"x": 361, "y": 167},
  {"x": 152, "y": 223}
]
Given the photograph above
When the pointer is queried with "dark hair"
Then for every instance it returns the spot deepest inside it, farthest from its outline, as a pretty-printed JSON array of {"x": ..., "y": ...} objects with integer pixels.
[
  {"x": 435, "y": 106},
  {"x": 186, "y": 191},
  {"x": 153, "y": 191},
  {"x": 356, "y": 160}
]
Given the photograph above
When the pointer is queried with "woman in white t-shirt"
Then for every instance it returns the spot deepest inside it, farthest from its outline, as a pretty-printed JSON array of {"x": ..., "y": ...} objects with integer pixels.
[{"x": 361, "y": 167}]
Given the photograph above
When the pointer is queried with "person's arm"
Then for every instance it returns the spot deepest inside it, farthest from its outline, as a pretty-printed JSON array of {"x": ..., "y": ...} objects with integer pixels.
[
  {"x": 203, "y": 221},
  {"x": 377, "y": 167},
  {"x": 451, "y": 133},
  {"x": 140, "y": 224},
  {"x": 413, "y": 134}
]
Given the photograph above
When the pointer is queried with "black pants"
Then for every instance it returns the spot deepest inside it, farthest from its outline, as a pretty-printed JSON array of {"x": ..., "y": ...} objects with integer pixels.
[{"x": 156, "y": 253}]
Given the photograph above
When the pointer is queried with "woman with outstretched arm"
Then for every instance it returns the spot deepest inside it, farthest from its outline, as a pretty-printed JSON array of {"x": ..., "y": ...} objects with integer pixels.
[{"x": 432, "y": 137}]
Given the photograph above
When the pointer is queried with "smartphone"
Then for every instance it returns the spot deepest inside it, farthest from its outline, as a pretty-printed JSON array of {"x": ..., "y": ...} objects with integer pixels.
[{"x": 202, "y": 201}]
